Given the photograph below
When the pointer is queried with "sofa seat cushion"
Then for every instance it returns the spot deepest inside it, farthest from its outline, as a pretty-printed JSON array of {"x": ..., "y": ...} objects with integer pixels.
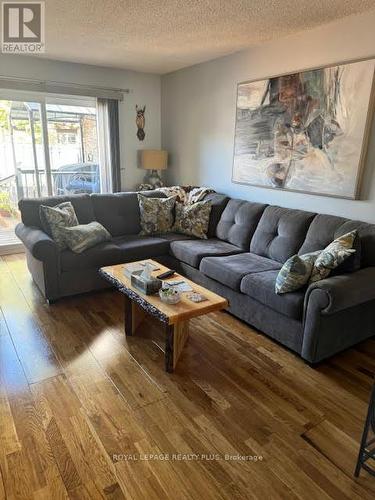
[
  {"x": 118, "y": 250},
  {"x": 261, "y": 287},
  {"x": 230, "y": 270},
  {"x": 193, "y": 251},
  {"x": 104, "y": 254},
  {"x": 176, "y": 237},
  {"x": 136, "y": 247}
]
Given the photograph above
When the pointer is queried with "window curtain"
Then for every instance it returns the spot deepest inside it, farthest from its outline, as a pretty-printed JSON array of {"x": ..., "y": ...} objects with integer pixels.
[{"x": 109, "y": 144}]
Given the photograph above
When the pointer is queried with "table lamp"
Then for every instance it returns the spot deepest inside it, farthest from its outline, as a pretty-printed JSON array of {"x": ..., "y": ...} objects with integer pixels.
[{"x": 153, "y": 160}]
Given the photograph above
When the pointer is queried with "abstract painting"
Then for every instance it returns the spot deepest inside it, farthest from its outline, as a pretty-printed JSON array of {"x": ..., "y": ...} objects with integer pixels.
[{"x": 305, "y": 131}]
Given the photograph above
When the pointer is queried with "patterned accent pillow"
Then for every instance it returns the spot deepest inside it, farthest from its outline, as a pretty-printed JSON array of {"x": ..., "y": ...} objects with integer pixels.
[
  {"x": 57, "y": 217},
  {"x": 333, "y": 255},
  {"x": 352, "y": 263},
  {"x": 296, "y": 272},
  {"x": 179, "y": 192},
  {"x": 80, "y": 238},
  {"x": 193, "y": 219},
  {"x": 156, "y": 214}
]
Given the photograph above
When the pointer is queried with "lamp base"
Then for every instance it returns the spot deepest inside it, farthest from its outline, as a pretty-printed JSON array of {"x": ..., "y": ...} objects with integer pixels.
[{"x": 153, "y": 178}]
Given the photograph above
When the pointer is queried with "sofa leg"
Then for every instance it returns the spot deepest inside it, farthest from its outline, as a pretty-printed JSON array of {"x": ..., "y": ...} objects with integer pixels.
[
  {"x": 50, "y": 301},
  {"x": 313, "y": 364}
]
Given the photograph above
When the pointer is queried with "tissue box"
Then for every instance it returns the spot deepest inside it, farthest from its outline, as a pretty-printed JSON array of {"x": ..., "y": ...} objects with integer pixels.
[{"x": 146, "y": 286}]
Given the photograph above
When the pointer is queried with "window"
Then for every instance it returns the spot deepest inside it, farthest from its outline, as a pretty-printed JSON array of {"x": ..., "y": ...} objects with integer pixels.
[
  {"x": 48, "y": 146},
  {"x": 73, "y": 146}
]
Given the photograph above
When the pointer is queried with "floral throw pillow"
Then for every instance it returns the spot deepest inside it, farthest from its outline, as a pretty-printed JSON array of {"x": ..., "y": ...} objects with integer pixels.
[
  {"x": 156, "y": 214},
  {"x": 57, "y": 217},
  {"x": 193, "y": 219},
  {"x": 80, "y": 238},
  {"x": 296, "y": 272},
  {"x": 333, "y": 255}
]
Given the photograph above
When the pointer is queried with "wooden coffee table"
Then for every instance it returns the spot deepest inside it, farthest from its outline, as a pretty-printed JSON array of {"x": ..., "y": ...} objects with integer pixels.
[{"x": 174, "y": 318}]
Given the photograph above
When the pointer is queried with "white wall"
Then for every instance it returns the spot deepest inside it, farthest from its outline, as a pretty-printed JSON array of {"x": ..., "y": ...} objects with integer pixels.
[
  {"x": 198, "y": 112},
  {"x": 145, "y": 89}
]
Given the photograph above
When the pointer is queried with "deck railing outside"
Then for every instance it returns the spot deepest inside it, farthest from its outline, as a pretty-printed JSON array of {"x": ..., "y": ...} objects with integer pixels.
[{"x": 24, "y": 184}]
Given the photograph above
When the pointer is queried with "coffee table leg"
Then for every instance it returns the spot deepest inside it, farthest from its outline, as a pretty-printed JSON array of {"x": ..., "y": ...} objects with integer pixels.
[
  {"x": 128, "y": 310},
  {"x": 134, "y": 316},
  {"x": 176, "y": 337}
]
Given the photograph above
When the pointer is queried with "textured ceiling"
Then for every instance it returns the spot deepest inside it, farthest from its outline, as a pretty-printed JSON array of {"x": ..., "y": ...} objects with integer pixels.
[{"x": 164, "y": 35}]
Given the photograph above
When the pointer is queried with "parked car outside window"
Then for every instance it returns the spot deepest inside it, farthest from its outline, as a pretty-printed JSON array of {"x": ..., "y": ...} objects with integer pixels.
[{"x": 77, "y": 178}]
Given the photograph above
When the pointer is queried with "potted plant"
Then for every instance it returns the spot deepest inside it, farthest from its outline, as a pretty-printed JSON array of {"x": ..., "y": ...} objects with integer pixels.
[{"x": 6, "y": 209}]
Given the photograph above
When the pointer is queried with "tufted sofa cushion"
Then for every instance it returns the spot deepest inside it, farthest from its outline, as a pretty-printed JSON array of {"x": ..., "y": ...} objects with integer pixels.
[
  {"x": 366, "y": 233},
  {"x": 239, "y": 221},
  {"x": 280, "y": 232},
  {"x": 321, "y": 233},
  {"x": 325, "y": 228},
  {"x": 218, "y": 203}
]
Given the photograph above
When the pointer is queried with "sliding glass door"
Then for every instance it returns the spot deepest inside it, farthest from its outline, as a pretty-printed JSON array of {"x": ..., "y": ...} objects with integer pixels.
[
  {"x": 22, "y": 162},
  {"x": 73, "y": 147},
  {"x": 47, "y": 147}
]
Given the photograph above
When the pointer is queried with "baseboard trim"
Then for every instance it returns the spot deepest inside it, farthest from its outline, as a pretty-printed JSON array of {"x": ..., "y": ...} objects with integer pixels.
[{"x": 9, "y": 249}]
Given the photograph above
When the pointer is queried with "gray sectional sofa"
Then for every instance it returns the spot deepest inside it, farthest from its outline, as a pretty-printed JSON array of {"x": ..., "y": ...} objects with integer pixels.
[{"x": 247, "y": 245}]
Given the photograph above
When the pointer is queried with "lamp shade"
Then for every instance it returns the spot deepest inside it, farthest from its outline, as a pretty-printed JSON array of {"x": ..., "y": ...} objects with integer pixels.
[{"x": 153, "y": 159}]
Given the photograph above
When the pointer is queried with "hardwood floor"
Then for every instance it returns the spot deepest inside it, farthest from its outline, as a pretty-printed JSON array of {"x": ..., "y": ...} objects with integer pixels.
[{"x": 82, "y": 408}]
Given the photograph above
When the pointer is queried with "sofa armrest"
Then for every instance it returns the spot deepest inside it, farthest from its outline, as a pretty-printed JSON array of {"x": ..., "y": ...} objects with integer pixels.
[
  {"x": 40, "y": 245},
  {"x": 337, "y": 293},
  {"x": 339, "y": 312}
]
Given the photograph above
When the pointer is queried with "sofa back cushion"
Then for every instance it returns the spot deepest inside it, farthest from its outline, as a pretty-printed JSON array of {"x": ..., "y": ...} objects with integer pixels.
[
  {"x": 325, "y": 228},
  {"x": 280, "y": 232},
  {"x": 239, "y": 221},
  {"x": 218, "y": 203},
  {"x": 119, "y": 212},
  {"x": 366, "y": 233},
  {"x": 29, "y": 208},
  {"x": 321, "y": 233}
]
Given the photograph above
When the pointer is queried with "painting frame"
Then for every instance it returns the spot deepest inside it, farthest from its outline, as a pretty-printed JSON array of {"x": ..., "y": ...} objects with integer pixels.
[{"x": 365, "y": 139}]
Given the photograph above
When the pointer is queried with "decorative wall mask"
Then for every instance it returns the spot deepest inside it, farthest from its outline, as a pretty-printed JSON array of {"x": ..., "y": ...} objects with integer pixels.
[{"x": 140, "y": 122}]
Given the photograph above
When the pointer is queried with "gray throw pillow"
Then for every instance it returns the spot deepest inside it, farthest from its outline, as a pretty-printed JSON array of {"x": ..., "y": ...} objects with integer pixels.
[
  {"x": 156, "y": 214},
  {"x": 80, "y": 238},
  {"x": 193, "y": 219},
  {"x": 333, "y": 255},
  {"x": 295, "y": 273},
  {"x": 55, "y": 218}
]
